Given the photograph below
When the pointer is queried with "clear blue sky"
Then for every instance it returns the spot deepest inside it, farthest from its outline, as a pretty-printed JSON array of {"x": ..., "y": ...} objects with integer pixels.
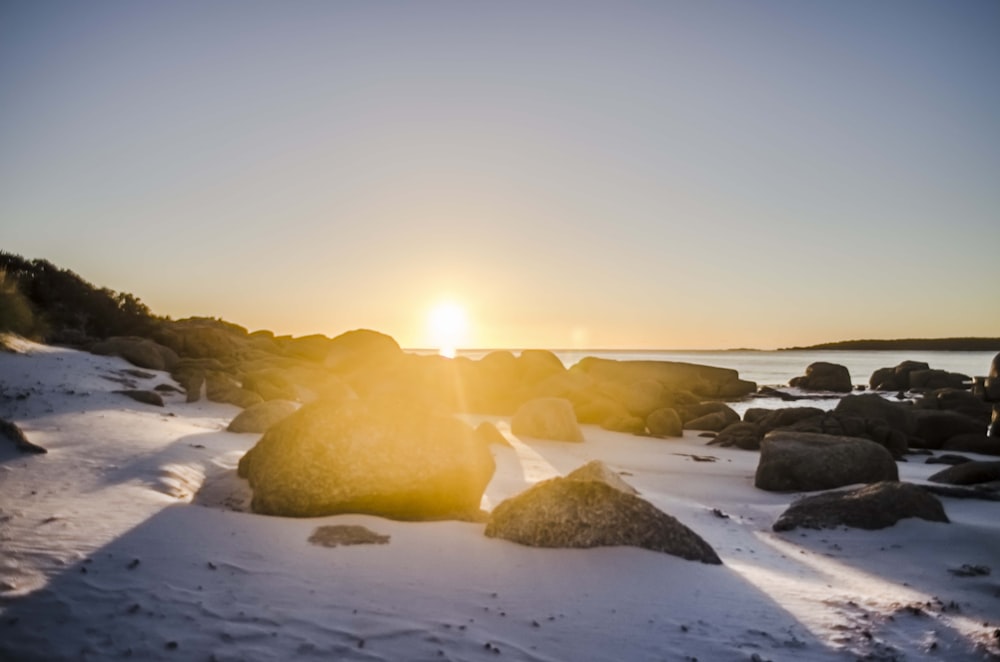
[{"x": 617, "y": 174}]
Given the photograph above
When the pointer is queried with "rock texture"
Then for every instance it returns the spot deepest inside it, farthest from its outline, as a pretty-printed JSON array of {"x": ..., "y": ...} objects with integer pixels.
[
  {"x": 547, "y": 418},
  {"x": 968, "y": 473},
  {"x": 804, "y": 461},
  {"x": 12, "y": 433},
  {"x": 665, "y": 422},
  {"x": 145, "y": 397},
  {"x": 874, "y": 506},
  {"x": 262, "y": 415},
  {"x": 382, "y": 458},
  {"x": 567, "y": 512},
  {"x": 823, "y": 376},
  {"x": 141, "y": 352}
]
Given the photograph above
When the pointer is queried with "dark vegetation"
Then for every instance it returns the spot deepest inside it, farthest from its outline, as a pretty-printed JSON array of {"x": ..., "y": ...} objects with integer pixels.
[
  {"x": 912, "y": 344},
  {"x": 39, "y": 300}
]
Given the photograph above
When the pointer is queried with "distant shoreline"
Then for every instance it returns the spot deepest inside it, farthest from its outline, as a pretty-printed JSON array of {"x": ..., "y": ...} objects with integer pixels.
[{"x": 910, "y": 344}]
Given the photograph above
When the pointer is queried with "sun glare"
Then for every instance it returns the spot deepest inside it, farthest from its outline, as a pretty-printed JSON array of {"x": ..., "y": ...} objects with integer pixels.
[{"x": 447, "y": 325}]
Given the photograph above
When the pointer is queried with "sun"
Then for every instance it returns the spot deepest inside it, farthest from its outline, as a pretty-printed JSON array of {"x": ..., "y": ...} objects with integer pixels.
[{"x": 447, "y": 326}]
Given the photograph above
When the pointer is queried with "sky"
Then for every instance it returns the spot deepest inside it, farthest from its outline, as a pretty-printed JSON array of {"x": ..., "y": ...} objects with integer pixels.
[{"x": 634, "y": 175}]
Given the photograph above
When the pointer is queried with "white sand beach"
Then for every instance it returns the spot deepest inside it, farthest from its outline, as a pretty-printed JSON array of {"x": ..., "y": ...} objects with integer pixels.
[{"x": 126, "y": 540}]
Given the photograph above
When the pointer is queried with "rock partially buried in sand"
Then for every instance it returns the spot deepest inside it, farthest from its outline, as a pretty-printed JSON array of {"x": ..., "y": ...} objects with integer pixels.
[
  {"x": 383, "y": 458},
  {"x": 547, "y": 418},
  {"x": 145, "y": 397},
  {"x": 871, "y": 507},
  {"x": 261, "y": 416},
  {"x": 969, "y": 473},
  {"x": 13, "y": 433},
  {"x": 346, "y": 534},
  {"x": 805, "y": 461},
  {"x": 588, "y": 512}
]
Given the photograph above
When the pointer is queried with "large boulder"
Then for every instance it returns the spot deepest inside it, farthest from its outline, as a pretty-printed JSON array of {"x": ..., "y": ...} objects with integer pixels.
[
  {"x": 957, "y": 400},
  {"x": 546, "y": 418},
  {"x": 261, "y": 416},
  {"x": 873, "y": 406},
  {"x": 380, "y": 458},
  {"x": 969, "y": 473},
  {"x": 874, "y": 506},
  {"x": 200, "y": 337},
  {"x": 802, "y": 461},
  {"x": 773, "y": 419},
  {"x": 975, "y": 442},
  {"x": 221, "y": 387},
  {"x": 840, "y": 425},
  {"x": 925, "y": 380},
  {"x": 824, "y": 376},
  {"x": 741, "y": 435},
  {"x": 934, "y": 427},
  {"x": 586, "y": 510},
  {"x": 270, "y": 384},
  {"x": 674, "y": 376},
  {"x": 665, "y": 422},
  {"x": 140, "y": 352}
]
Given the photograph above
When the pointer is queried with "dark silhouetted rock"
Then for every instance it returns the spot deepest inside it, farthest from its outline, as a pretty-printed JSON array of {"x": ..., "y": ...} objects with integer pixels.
[
  {"x": 547, "y": 418},
  {"x": 261, "y": 416},
  {"x": 840, "y": 425},
  {"x": 884, "y": 379},
  {"x": 713, "y": 422},
  {"x": 871, "y": 507},
  {"x": 12, "y": 433},
  {"x": 973, "y": 443},
  {"x": 337, "y": 535},
  {"x": 957, "y": 400},
  {"x": 665, "y": 422},
  {"x": 145, "y": 397},
  {"x": 567, "y": 512},
  {"x": 823, "y": 376},
  {"x": 388, "y": 459},
  {"x": 780, "y": 418},
  {"x": 934, "y": 379},
  {"x": 801, "y": 461},
  {"x": 948, "y": 459},
  {"x": 933, "y": 427},
  {"x": 689, "y": 413},
  {"x": 141, "y": 352},
  {"x": 741, "y": 435},
  {"x": 905, "y": 369},
  {"x": 872, "y": 406},
  {"x": 969, "y": 473}
]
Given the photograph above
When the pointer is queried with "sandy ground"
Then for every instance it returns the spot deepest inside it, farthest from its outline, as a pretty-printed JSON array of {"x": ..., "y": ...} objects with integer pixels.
[{"x": 127, "y": 540}]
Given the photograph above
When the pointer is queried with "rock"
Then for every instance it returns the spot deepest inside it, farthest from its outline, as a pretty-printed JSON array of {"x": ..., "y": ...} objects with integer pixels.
[
  {"x": 948, "y": 458},
  {"x": 991, "y": 386},
  {"x": 220, "y": 387},
  {"x": 674, "y": 376},
  {"x": 346, "y": 534},
  {"x": 386, "y": 458},
  {"x": 597, "y": 409},
  {"x": 261, "y": 416},
  {"x": 934, "y": 379},
  {"x": 875, "y": 506},
  {"x": 568, "y": 512},
  {"x": 200, "y": 337},
  {"x": 534, "y": 365},
  {"x": 823, "y": 376},
  {"x": 665, "y": 422},
  {"x": 689, "y": 413},
  {"x": 779, "y": 418},
  {"x": 270, "y": 384},
  {"x": 597, "y": 470},
  {"x": 973, "y": 443},
  {"x": 933, "y": 428},
  {"x": 742, "y": 435},
  {"x": 958, "y": 400},
  {"x": 628, "y": 424},
  {"x": 840, "y": 425},
  {"x": 145, "y": 397},
  {"x": 884, "y": 379},
  {"x": 547, "y": 418},
  {"x": 140, "y": 352},
  {"x": 361, "y": 349},
  {"x": 802, "y": 461},
  {"x": 968, "y": 473},
  {"x": 994, "y": 429},
  {"x": 12, "y": 433},
  {"x": 903, "y": 371},
  {"x": 713, "y": 422},
  {"x": 488, "y": 434},
  {"x": 644, "y": 397},
  {"x": 872, "y": 406}
]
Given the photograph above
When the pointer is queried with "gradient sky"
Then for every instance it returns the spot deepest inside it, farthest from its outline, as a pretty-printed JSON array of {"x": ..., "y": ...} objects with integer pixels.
[{"x": 616, "y": 174}]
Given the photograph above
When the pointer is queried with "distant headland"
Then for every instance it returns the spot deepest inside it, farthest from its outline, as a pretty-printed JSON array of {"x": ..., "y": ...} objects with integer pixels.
[{"x": 910, "y": 344}]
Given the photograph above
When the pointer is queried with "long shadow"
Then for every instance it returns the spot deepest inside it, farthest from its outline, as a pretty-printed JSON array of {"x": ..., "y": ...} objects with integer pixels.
[{"x": 199, "y": 583}]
